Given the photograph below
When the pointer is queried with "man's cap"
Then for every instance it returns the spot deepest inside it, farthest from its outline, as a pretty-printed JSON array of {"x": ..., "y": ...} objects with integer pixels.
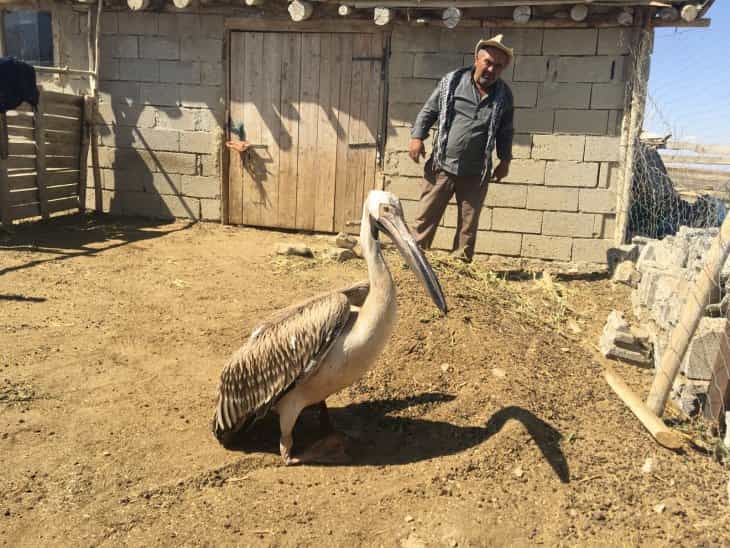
[{"x": 495, "y": 42}]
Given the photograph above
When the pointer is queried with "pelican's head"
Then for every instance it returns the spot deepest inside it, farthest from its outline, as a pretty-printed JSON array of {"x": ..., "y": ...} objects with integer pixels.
[{"x": 386, "y": 215}]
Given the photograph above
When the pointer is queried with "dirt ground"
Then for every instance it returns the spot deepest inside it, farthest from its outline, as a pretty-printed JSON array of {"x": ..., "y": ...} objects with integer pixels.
[{"x": 490, "y": 427}]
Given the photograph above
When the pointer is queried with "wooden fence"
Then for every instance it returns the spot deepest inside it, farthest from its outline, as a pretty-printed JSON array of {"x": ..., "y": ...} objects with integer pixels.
[
  {"x": 43, "y": 157},
  {"x": 698, "y": 169}
]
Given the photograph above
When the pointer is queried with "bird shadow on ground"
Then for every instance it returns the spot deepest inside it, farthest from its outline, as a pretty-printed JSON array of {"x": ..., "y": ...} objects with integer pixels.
[{"x": 378, "y": 438}]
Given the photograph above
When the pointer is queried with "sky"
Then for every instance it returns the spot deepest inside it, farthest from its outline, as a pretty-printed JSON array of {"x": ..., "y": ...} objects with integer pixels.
[{"x": 689, "y": 81}]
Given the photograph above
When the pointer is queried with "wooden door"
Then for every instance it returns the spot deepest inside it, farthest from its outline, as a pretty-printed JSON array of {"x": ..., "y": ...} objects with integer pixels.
[{"x": 311, "y": 104}]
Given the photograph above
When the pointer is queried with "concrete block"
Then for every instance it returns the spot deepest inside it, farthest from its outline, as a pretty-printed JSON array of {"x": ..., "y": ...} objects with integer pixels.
[
  {"x": 615, "y": 119},
  {"x": 534, "y": 120},
  {"x": 605, "y": 226},
  {"x": 589, "y": 122},
  {"x": 142, "y": 23},
  {"x": 139, "y": 70},
  {"x": 109, "y": 23},
  {"x": 575, "y": 174},
  {"x": 212, "y": 73},
  {"x": 552, "y": 199},
  {"x": 109, "y": 69},
  {"x": 163, "y": 184},
  {"x": 210, "y": 210},
  {"x": 444, "y": 238},
  {"x": 591, "y": 251},
  {"x": 531, "y": 68},
  {"x": 406, "y": 188},
  {"x": 485, "y": 218},
  {"x": 598, "y": 68},
  {"x": 570, "y": 42},
  {"x": 580, "y": 225},
  {"x": 704, "y": 348},
  {"x": 462, "y": 40},
  {"x": 414, "y": 39},
  {"x": 125, "y": 115},
  {"x": 526, "y": 171},
  {"x": 139, "y": 204},
  {"x": 123, "y": 180},
  {"x": 159, "y": 94},
  {"x": 201, "y": 187},
  {"x": 194, "y": 48},
  {"x": 516, "y": 220},
  {"x": 608, "y": 175},
  {"x": 126, "y": 93},
  {"x": 209, "y": 164},
  {"x": 154, "y": 161},
  {"x": 614, "y": 41},
  {"x": 435, "y": 65},
  {"x": 181, "y": 207},
  {"x": 187, "y": 24},
  {"x": 501, "y": 195},
  {"x": 451, "y": 216},
  {"x": 522, "y": 146},
  {"x": 602, "y": 149},
  {"x": 180, "y": 72},
  {"x": 399, "y": 163},
  {"x": 626, "y": 273},
  {"x": 411, "y": 208},
  {"x": 159, "y": 47},
  {"x": 610, "y": 95},
  {"x": 398, "y": 139},
  {"x": 411, "y": 90},
  {"x": 558, "y": 147},
  {"x": 498, "y": 243},
  {"x": 403, "y": 114},
  {"x": 207, "y": 120},
  {"x": 152, "y": 139},
  {"x": 176, "y": 118},
  {"x": 525, "y": 94},
  {"x": 553, "y": 95},
  {"x": 197, "y": 141},
  {"x": 523, "y": 41},
  {"x": 211, "y": 26},
  {"x": 546, "y": 247},
  {"x": 597, "y": 200},
  {"x": 121, "y": 47},
  {"x": 210, "y": 97},
  {"x": 401, "y": 64}
]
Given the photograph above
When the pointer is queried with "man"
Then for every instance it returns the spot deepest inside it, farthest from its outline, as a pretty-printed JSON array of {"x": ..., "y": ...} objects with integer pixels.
[{"x": 474, "y": 109}]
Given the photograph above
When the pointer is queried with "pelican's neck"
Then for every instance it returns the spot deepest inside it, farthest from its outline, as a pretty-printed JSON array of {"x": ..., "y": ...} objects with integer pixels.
[{"x": 381, "y": 282}]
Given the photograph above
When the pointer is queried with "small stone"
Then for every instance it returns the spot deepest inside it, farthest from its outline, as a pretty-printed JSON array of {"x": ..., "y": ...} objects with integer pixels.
[
  {"x": 445, "y": 367},
  {"x": 574, "y": 327},
  {"x": 659, "y": 508},
  {"x": 518, "y": 472},
  {"x": 106, "y": 454},
  {"x": 345, "y": 241},
  {"x": 728, "y": 491},
  {"x": 499, "y": 372},
  {"x": 409, "y": 519},
  {"x": 340, "y": 255},
  {"x": 627, "y": 274},
  {"x": 573, "y": 512},
  {"x": 648, "y": 466},
  {"x": 294, "y": 249}
]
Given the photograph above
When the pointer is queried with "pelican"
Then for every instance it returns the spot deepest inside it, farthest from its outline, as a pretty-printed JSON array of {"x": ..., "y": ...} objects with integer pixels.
[{"x": 309, "y": 351}]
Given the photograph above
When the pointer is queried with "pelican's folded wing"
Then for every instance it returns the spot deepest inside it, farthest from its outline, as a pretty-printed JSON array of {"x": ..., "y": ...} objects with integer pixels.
[{"x": 286, "y": 348}]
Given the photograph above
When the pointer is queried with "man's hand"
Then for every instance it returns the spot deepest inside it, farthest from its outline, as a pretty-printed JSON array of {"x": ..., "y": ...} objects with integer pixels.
[
  {"x": 416, "y": 149},
  {"x": 501, "y": 171}
]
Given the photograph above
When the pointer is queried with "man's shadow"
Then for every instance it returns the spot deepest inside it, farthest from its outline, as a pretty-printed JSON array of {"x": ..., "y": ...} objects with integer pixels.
[{"x": 378, "y": 438}]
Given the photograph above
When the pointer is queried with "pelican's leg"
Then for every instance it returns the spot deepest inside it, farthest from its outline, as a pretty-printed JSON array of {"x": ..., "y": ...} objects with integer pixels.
[
  {"x": 287, "y": 419},
  {"x": 325, "y": 424}
]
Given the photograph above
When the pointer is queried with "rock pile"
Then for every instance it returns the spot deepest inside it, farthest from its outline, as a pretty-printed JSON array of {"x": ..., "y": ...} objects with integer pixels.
[{"x": 662, "y": 273}]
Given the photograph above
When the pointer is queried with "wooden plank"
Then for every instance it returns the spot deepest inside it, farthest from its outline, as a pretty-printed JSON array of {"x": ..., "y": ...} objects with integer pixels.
[
  {"x": 20, "y": 181},
  {"x": 25, "y": 211},
  {"x": 64, "y": 204},
  {"x": 19, "y": 119},
  {"x": 373, "y": 115},
  {"x": 40, "y": 155},
  {"x": 20, "y": 163},
  {"x": 254, "y": 166},
  {"x": 291, "y": 72},
  {"x": 4, "y": 183},
  {"x": 357, "y": 130},
  {"x": 330, "y": 74},
  {"x": 63, "y": 123},
  {"x": 311, "y": 25},
  {"x": 27, "y": 148},
  {"x": 699, "y": 159},
  {"x": 52, "y": 178},
  {"x": 344, "y": 48},
  {"x": 68, "y": 111},
  {"x": 30, "y": 195},
  {"x": 20, "y": 133},
  {"x": 58, "y": 137},
  {"x": 698, "y": 147},
  {"x": 235, "y": 159},
  {"x": 307, "y": 152},
  {"x": 95, "y": 171},
  {"x": 82, "y": 163},
  {"x": 53, "y": 98}
]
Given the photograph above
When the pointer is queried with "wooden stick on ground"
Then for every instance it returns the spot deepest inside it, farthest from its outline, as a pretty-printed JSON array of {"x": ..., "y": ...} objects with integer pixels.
[{"x": 664, "y": 435}]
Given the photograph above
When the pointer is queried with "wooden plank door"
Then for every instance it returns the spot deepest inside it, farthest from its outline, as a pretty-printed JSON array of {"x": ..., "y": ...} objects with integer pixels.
[{"x": 311, "y": 104}]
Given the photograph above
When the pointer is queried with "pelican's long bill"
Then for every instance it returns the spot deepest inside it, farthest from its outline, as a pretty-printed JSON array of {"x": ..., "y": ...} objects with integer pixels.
[{"x": 391, "y": 222}]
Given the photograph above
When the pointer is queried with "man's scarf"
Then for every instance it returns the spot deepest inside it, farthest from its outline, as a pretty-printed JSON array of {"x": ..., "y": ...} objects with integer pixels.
[{"x": 447, "y": 89}]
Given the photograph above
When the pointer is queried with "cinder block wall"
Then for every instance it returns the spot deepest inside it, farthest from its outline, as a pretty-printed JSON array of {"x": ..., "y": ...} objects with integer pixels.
[{"x": 569, "y": 84}]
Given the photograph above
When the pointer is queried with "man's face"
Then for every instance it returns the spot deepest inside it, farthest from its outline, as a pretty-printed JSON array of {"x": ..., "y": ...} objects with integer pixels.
[{"x": 488, "y": 66}]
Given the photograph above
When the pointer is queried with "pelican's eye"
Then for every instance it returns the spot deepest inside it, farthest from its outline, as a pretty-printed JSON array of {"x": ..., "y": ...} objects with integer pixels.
[{"x": 385, "y": 209}]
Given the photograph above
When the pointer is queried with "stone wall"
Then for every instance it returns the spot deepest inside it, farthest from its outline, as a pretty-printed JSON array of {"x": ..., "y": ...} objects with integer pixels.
[{"x": 559, "y": 199}]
